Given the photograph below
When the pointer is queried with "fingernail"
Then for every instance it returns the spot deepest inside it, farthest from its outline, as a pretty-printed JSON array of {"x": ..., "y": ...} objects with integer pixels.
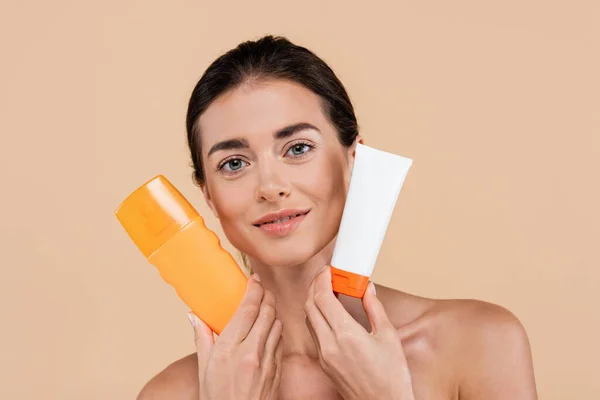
[
  {"x": 372, "y": 288},
  {"x": 256, "y": 277},
  {"x": 192, "y": 318}
]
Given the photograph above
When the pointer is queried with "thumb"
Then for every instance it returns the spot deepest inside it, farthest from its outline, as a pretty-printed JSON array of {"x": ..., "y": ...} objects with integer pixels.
[
  {"x": 203, "y": 336},
  {"x": 378, "y": 318}
]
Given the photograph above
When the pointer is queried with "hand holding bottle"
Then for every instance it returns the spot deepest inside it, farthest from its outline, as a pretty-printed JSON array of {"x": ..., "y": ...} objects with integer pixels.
[{"x": 245, "y": 360}]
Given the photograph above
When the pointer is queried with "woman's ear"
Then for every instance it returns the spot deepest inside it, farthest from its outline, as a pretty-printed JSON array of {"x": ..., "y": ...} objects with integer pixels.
[
  {"x": 209, "y": 200},
  {"x": 358, "y": 139}
]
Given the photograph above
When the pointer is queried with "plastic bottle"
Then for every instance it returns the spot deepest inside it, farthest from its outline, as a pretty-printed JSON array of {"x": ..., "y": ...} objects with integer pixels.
[{"x": 173, "y": 237}]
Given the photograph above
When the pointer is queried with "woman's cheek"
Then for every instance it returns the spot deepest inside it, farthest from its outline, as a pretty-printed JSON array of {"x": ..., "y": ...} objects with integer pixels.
[
  {"x": 317, "y": 174},
  {"x": 234, "y": 217},
  {"x": 231, "y": 199}
]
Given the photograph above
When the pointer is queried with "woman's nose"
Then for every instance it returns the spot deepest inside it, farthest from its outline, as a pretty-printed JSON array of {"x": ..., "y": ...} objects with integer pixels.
[{"x": 271, "y": 187}]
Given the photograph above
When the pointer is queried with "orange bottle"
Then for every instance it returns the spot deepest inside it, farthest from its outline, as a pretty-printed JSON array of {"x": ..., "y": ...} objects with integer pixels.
[{"x": 173, "y": 236}]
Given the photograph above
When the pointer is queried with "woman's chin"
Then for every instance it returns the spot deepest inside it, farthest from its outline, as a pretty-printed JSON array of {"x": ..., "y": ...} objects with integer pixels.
[
  {"x": 290, "y": 252},
  {"x": 284, "y": 261},
  {"x": 286, "y": 257}
]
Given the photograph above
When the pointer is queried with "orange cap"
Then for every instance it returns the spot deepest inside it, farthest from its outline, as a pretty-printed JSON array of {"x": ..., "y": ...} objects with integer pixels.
[
  {"x": 153, "y": 213},
  {"x": 349, "y": 283}
]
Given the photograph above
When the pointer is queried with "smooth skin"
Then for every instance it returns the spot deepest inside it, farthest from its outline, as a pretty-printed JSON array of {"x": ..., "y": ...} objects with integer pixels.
[{"x": 292, "y": 337}]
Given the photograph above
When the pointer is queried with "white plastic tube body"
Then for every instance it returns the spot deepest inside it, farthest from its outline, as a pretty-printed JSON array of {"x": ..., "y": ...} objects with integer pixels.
[{"x": 377, "y": 177}]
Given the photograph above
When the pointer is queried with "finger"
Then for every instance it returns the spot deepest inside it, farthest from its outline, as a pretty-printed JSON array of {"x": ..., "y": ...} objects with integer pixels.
[
  {"x": 272, "y": 342},
  {"x": 204, "y": 339},
  {"x": 334, "y": 312},
  {"x": 317, "y": 322},
  {"x": 278, "y": 364},
  {"x": 278, "y": 368},
  {"x": 378, "y": 318},
  {"x": 263, "y": 324},
  {"x": 314, "y": 336},
  {"x": 241, "y": 323},
  {"x": 268, "y": 358}
]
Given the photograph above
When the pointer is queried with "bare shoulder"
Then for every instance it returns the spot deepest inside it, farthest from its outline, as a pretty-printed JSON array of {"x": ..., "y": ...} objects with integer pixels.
[
  {"x": 478, "y": 329},
  {"x": 477, "y": 318},
  {"x": 493, "y": 347},
  {"x": 486, "y": 344},
  {"x": 178, "y": 381},
  {"x": 461, "y": 322}
]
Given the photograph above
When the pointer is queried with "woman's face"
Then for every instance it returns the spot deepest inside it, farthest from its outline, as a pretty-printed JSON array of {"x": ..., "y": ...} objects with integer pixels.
[{"x": 268, "y": 147}]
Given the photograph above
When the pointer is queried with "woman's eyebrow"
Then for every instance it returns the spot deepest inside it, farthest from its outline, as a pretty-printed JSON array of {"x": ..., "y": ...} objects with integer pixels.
[
  {"x": 293, "y": 129},
  {"x": 228, "y": 145},
  {"x": 241, "y": 143}
]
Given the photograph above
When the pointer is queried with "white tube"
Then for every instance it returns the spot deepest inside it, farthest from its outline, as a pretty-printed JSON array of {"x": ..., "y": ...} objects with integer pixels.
[{"x": 377, "y": 177}]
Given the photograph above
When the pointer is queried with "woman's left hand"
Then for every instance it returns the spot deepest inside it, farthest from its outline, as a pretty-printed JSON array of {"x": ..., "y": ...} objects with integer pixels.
[{"x": 363, "y": 365}]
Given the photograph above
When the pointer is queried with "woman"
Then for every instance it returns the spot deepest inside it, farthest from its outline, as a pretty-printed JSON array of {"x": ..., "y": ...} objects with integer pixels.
[{"x": 272, "y": 135}]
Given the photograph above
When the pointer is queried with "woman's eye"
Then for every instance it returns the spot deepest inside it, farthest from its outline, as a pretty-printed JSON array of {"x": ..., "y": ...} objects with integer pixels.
[
  {"x": 233, "y": 165},
  {"x": 299, "y": 149}
]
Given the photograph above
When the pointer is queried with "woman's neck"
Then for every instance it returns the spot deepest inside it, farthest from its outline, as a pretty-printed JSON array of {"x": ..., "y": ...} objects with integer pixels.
[{"x": 290, "y": 287}]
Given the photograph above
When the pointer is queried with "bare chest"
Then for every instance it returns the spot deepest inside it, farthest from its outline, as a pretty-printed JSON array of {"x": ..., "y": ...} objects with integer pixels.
[
  {"x": 306, "y": 380},
  {"x": 303, "y": 381}
]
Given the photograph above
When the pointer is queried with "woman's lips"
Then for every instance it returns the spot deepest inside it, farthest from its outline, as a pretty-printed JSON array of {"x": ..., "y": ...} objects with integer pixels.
[{"x": 282, "y": 228}]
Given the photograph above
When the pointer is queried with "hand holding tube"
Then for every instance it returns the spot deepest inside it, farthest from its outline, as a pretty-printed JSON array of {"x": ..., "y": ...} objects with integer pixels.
[{"x": 363, "y": 365}]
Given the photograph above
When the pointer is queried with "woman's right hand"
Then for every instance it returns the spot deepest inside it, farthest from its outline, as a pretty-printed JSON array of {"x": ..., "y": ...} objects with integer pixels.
[{"x": 245, "y": 360}]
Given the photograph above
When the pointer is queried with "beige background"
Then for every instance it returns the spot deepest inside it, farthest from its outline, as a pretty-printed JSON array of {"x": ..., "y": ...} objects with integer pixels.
[{"x": 497, "y": 103}]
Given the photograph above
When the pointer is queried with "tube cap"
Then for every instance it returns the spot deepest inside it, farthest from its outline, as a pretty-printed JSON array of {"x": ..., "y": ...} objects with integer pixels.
[
  {"x": 349, "y": 283},
  {"x": 153, "y": 213}
]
